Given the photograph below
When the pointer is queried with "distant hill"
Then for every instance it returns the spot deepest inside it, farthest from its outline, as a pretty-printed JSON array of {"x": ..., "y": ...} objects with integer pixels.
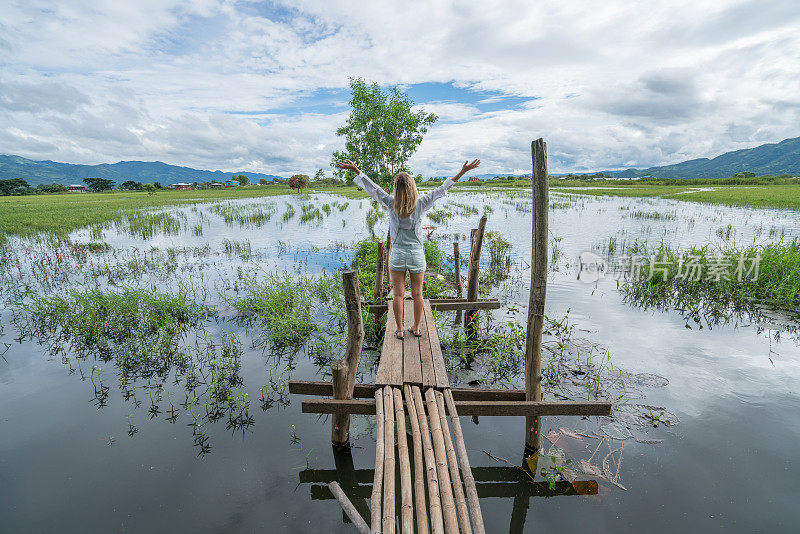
[
  {"x": 773, "y": 158},
  {"x": 48, "y": 172}
]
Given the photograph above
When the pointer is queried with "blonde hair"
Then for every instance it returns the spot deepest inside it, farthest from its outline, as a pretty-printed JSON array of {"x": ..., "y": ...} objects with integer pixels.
[{"x": 405, "y": 194}]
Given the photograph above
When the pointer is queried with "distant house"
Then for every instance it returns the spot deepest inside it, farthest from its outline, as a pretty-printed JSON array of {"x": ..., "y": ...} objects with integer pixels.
[
  {"x": 231, "y": 183},
  {"x": 180, "y": 186},
  {"x": 215, "y": 185},
  {"x": 473, "y": 179},
  {"x": 78, "y": 188}
]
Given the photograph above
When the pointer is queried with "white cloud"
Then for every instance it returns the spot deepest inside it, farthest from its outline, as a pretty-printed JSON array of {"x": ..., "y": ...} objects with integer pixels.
[{"x": 619, "y": 85}]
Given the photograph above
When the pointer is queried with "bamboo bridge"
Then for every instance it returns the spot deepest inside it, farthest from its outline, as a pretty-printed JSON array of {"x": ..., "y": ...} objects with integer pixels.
[{"x": 412, "y": 384}]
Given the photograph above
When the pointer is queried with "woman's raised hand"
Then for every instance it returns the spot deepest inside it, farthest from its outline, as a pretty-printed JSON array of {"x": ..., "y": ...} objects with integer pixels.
[
  {"x": 469, "y": 166},
  {"x": 347, "y": 164}
]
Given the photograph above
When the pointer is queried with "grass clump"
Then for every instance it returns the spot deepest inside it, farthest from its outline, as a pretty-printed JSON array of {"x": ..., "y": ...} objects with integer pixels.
[
  {"x": 140, "y": 329},
  {"x": 282, "y": 304},
  {"x": 713, "y": 283}
]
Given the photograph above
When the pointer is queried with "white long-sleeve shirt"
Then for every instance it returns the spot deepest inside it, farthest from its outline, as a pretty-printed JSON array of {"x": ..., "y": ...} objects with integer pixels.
[{"x": 424, "y": 203}]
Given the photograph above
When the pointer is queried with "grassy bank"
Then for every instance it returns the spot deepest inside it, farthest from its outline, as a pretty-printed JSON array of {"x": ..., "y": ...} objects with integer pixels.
[
  {"x": 781, "y": 196},
  {"x": 63, "y": 213}
]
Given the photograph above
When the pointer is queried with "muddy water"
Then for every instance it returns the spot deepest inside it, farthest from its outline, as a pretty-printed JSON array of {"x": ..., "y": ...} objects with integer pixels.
[{"x": 730, "y": 465}]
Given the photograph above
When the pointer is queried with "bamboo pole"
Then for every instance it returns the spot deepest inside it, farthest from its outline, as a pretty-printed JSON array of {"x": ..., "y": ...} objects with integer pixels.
[
  {"x": 434, "y": 502},
  {"x": 355, "y": 326},
  {"x": 457, "y": 271},
  {"x": 445, "y": 488},
  {"x": 348, "y": 508},
  {"x": 377, "y": 293},
  {"x": 533, "y": 344},
  {"x": 388, "y": 249},
  {"x": 466, "y": 470},
  {"x": 340, "y": 427},
  {"x": 377, "y": 494},
  {"x": 406, "y": 506},
  {"x": 419, "y": 474},
  {"x": 472, "y": 275},
  {"x": 389, "y": 520},
  {"x": 452, "y": 463}
]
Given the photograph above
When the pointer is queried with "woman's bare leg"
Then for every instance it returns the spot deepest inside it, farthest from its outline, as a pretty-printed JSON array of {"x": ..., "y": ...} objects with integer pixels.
[
  {"x": 416, "y": 294},
  {"x": 398, "y": 294}
]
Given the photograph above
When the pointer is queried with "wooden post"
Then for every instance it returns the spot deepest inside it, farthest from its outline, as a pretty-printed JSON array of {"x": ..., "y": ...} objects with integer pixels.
[
  {"x": 457, "y": 271},
  {"x": 377, "y": 294},
  {"x": 340, "y": 429},
  {"x": 355, "y": 326},
  {"x": 533, "y": 345},
  {"x": 387, "y": 250},
  {"x": 457, "y": 260},
  {"x": 472, "y": 276}
]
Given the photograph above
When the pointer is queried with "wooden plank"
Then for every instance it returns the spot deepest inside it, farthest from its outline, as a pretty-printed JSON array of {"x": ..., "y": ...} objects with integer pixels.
[
  {"x": 446, "y": 305},
  {"x": 348, "y": 508},
  {"x": 367, "y": 391},
  {"x": 466, "y": 470},
  {"x": 442, "y": 380},
  {"x": 391, "y": 352},
  {"x": 377, "y": 494},
  {"x": 412, "y": 366},
  {"x": 434, "y": 502},
  {"x": 470, "y": 407},
  {"x": 426, "y": 357},
  {"x": 406, "y": 506},
  {"x": 440, "y": 453},
  {"x": 419, "y": 471},
  {"x": 452, "y": 463},
  {"x": 389, "y": 521},
  {"x": 491, "y": 489}
]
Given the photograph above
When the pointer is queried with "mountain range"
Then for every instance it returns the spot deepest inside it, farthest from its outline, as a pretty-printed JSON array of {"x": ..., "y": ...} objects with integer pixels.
[
  {"x": 48, "y": 172},
  {"x": 773, "y": 158}
]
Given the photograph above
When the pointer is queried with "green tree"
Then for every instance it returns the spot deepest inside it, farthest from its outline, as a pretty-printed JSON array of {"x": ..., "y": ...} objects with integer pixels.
[
  {"x": 100, "y": 184},
  {"x": 12, "y": 185},
  {"x": 381, "y": 132},
  {"x": 241, "y": 178},
  {"x": 131, "y": 185},
  {"x": 320, "y": 175},
  {"x": 51, "y": 188},
  {"x": 150, "y": 188},
  {"x": 298, "y": 181}
]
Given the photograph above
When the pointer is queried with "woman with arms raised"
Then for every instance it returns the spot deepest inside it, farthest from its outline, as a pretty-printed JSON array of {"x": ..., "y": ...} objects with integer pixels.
[{"x": 406, "y": 208}]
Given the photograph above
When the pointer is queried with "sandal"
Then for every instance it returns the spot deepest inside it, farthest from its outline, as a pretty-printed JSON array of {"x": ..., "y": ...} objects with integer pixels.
[
  {"x": 399, "y": 334},
  {"x": 416, "y": 332}
]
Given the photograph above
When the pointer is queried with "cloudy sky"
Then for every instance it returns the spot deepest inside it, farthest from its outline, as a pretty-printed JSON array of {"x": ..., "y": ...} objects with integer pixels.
[{"x": 262, "y": 86}]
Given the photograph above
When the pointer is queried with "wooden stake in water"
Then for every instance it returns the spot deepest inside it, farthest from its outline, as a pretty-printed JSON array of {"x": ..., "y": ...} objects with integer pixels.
[{"x": 533, "y": 345}]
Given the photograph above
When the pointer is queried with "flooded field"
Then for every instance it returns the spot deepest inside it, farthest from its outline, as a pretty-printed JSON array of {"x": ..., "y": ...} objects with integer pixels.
[{"x": 144, "y": 369}]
